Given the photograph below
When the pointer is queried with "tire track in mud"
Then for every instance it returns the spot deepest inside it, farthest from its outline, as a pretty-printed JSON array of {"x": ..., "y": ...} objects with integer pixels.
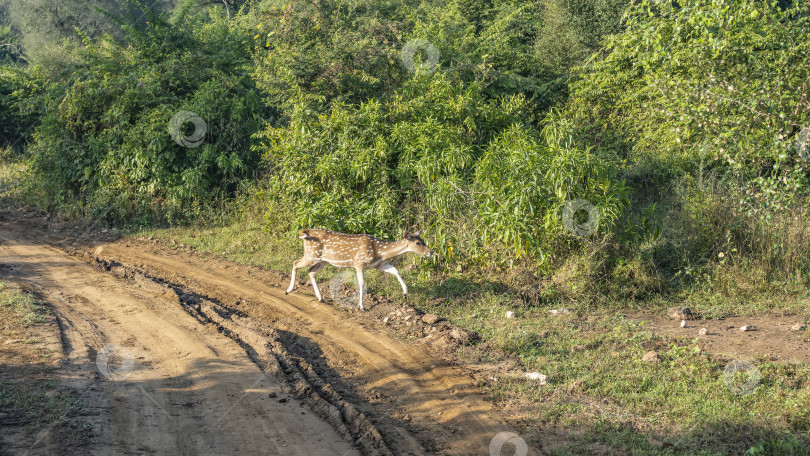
[
  {"x": 188, "y": 389},
  {"x": 265, "y": 348}
]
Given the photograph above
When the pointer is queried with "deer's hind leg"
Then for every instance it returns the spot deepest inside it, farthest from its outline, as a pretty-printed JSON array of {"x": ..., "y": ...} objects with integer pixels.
[
  {"x": 312, "y": 271},
  {"x": 300, "y": 263}
]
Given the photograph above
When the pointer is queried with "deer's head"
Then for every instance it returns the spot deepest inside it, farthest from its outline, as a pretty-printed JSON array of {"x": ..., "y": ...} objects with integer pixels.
[{"x": 417, "y": 244}]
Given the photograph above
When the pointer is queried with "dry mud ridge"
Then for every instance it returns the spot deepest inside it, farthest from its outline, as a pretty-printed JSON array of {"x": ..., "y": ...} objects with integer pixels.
[{"x": 189, "y": 354}]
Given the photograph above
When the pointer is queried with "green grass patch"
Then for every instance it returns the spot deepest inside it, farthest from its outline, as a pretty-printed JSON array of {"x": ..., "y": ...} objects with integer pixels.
[
  {"x": 22, "y": 305},
  {"x": 596, "y": 381},
  {"x": 246, "y": 242},
  {"x": 31, "y": 399},
  {"x": 39, "y": 402}
]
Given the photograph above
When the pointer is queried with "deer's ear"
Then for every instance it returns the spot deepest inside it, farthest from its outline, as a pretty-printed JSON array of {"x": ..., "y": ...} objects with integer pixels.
[
  {"x": 417, "y": 233},
  {"x": 405, "y": 236}
]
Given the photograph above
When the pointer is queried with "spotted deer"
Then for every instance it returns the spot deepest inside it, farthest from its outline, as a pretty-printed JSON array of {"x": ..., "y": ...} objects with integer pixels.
[{"x": 358, "y": 251}]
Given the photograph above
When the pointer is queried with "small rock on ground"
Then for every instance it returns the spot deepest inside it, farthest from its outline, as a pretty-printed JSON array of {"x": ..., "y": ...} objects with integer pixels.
[
  {"x": 536, "y": 376},
  {"x": 650, "y": 357},
  {"x": 460, "y": 335}
]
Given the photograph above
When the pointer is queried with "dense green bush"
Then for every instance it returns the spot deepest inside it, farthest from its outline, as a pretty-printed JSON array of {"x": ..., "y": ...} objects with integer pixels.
[
  {"x": 352, "y": 51},
  {"x": 524, "y": 181},
  {"x": 437, "y": 151},
  {"x": 387, "y": 148},
  {"x": 104, "y": 146},
  {"x": 352, "y": 167},
  {"x": 20, "y": 108},
  {"x": 724, "y": 80},
  {"x": 699, "y": 89},
  {"x": 346, "y": 51}
]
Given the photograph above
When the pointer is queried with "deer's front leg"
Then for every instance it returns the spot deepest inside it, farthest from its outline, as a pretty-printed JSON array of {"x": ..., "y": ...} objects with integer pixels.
[
  {"x": 387, "y": 267},
  {"x": 361, "y": 284},
  {"x": 300, "y": 263}
]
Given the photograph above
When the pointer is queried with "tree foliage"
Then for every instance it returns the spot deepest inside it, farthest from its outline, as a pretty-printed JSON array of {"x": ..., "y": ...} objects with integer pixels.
[
  {"x": 105, "y": 142},
  {"x": 728, "y": 80}
]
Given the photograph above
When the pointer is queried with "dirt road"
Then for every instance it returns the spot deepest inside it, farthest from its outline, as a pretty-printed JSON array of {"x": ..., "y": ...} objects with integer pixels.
[
  {"x": 180, "y": 353},
  {"x": 169, "y": 385}
]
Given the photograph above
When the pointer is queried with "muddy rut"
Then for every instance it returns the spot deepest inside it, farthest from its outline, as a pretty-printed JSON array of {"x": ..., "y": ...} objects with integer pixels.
[{"x": 190, "y": 354}]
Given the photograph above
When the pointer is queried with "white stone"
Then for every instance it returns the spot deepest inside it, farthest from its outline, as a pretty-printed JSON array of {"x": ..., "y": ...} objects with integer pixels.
[{"x": 536, "y": 376}]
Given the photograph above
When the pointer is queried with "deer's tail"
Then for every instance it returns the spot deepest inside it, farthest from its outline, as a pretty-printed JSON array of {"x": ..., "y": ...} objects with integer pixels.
[{"x": 304, "y": 234}]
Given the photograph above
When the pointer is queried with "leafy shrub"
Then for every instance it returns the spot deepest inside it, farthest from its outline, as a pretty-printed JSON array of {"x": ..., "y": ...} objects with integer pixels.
[
  {"x": 441, "y": 152},
  {"x": 524, "y": 181},
  {"x": 105, "y": 146},
  {"x": 352, "y": 168},
  {"x": 343, "y": 51},
  {"x": 352, "y": 51},
  {"x": 686, "y": 79},
  {"x": 697, "y": 89},
  {"x": 19, "y": 109}
]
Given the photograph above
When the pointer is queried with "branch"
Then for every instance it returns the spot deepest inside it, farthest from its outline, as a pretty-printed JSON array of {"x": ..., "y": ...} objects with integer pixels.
[{"x": 737, "y": 102}]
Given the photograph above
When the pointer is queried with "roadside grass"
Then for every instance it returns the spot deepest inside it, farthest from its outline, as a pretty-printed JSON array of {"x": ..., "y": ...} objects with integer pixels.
[
  {"x": 31, "y": 400},
  {"x": 246, "y": 242},
  {"x": 39, "y": 403},
  {"x": 598, "y": 385},
  {"x": 25, "y": 309}
]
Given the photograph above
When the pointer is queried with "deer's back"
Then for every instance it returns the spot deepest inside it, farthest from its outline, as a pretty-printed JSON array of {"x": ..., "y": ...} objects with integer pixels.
[{"x": 338, "y": 249}]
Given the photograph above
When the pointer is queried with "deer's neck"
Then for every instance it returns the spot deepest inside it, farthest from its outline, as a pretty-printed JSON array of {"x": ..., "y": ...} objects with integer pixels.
[{"x": 393, "y": 249}]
